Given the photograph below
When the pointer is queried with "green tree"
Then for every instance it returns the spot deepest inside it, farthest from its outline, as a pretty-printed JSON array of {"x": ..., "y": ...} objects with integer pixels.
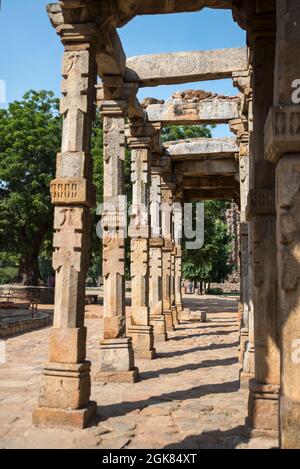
[
  {"x": 211, "y": 262},
  {"x": 30, "y": 137}
]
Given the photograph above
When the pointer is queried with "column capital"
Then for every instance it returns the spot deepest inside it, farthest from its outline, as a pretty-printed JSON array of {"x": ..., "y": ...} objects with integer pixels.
[
  {"x": 261, "y": 25},
  {"x": 111, "y": 108}
]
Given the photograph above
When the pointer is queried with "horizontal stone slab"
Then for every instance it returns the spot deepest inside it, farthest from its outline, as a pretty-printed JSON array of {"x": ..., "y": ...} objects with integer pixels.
[
  {"x": 194, "y": 110},
  {"x": 216, "y": 194},
  {"x": 216, "y": 167},
  {"x": 202, "y": 148},
  {"x": 127, "y": 9},
  {"x": 185, "y": 67},
  {"x": 209, "y": 182}
]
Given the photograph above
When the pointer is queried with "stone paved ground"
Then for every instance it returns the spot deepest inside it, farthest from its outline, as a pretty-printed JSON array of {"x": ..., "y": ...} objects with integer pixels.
[{"x": 187, "y": 398}]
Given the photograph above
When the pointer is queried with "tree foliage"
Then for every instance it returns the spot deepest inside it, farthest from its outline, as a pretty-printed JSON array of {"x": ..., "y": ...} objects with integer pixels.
[{"x": 30, "y": 137}]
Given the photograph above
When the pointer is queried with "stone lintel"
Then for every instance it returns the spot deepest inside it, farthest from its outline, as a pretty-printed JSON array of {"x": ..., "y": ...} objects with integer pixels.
[
  {"x": 202, "y": 148},
  {"x": 200, "y": 194},
  {"x": 214, "y": 167},
  {"x": 182, "y": 67},
  {"x": 180, "y": 111},
  {"x": 209, "y": 182},
  {"x": 282, "y": 132}
]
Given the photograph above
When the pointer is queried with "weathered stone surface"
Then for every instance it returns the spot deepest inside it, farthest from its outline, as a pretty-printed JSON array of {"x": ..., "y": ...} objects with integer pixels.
[
  {"x": 192, "y": 110},
  {"x": 181, "y": 67},
  {"x": 201, "y": 148},
  {"x": 216, "y": 167}
]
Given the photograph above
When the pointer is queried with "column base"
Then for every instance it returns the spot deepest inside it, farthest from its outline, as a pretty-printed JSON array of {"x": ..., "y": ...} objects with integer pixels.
[
  {"x": 117, "y": 361},
  {"x": 244, "y": 379},
  {"x": 193, "y": 316},
  {"x": 243, "y": 342},
  {"x": 169, "y": 320},
  {"x": 159, "y": 328},
  {"x": 142, "y": 341},
  {"x": 263, "y": 408},
  {"x": 289, "y": 411},
  {"x": 179, "y": 308},
  {"x": 174, "y": 316},
  {"x": 56, "y": 418},
  {"x": 131, "y": 376}
]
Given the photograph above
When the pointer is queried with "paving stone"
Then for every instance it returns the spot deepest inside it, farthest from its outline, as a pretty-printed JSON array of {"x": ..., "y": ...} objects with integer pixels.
[{"x": 184, "y": 405}]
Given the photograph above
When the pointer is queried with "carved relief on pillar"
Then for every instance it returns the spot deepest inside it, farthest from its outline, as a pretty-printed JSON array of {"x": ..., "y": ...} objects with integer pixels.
[
  {"x": 282, "y": 131},
  {"x": 113, "y": 256},
  {"x": 260, "y": 202},
  {"x": 77, "y": 105},
  {"x": 139, "y": 224},
  {"x": 70, "y": 258},
  {"x": 288, "y": 199},
  {"x": 113, "y": 132}
]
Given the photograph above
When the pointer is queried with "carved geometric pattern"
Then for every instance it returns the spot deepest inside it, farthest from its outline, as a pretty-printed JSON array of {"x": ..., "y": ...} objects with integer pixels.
[
  {"x": 282, "y": 131},
  {"x": 113, "y": 255},
  {"x": 139, "y": 257}
]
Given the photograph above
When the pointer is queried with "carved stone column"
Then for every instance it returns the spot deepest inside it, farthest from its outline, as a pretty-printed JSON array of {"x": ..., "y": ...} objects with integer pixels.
[
  {"x": 167, "y": 249},
  {"x": 157, "y": 319},
  {"x": 177, "y": 211},
  {"x": 172, "y": 288},
  {"x": 65, "y": 393},
  {"x": 116, "y": 356},
  {"x": 140, "y": 329},
  {"x": 264, "y": 388},
  {"x": 283, "y": 146}
]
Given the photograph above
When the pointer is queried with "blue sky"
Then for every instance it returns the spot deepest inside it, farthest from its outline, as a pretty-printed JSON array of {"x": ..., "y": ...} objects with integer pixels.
[{"x": 31, "y": 52}]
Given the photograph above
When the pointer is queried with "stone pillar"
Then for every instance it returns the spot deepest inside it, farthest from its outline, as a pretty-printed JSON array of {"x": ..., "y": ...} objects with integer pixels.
[
  {"x": 65, "y": 393},
  {"x": 264, "y": 388},
  {"x": 172, "y": 289},
  {"x": 167, "y": 202},
  {"x": 177, "y": 210},
  {"x": 283, "y": 146},
  {"x": 140, "y": 329},
  {"x": 116, "y": 357},
  {"x": 157, "y": 319}
]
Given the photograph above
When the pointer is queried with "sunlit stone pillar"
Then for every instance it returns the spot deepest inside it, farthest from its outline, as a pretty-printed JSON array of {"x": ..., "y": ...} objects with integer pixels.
[
  {"x": 264, "y": 388},
  {"x": 172, "y": 288},
  {"x": 167, "y": 202},
  {"x": 65, "y": 393},
  {"x": 116, "y": 352},
  {"x": 140, "y": 329},
  {"x": 178, "y": 220},
  {"x": 157, "y": 319},
  {"x": 283, "y": 147}
]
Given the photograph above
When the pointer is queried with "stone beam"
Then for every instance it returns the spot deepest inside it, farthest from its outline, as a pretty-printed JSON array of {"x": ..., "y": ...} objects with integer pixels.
[
  {"x": 127, "y": 9},
  {"x": 216, "y": 194},
  {"x": 201, "y": 148},
  {"x": 194, "y": 107},
  {"x": 185, "y": 67},
  {"x": 216, "y": 167},
  {"x": 209, "y": 183}
]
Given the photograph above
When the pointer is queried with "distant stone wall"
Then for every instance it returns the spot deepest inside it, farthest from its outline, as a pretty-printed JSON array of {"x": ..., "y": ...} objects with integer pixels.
[
  {"x": 44, "y": 295},
  {"x": 24, "y": 325},
  {"x": 227, "y": 287}
]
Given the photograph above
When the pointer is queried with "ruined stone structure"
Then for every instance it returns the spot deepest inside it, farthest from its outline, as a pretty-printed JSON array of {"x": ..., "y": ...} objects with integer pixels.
[{"x": 258, "y": 168}]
